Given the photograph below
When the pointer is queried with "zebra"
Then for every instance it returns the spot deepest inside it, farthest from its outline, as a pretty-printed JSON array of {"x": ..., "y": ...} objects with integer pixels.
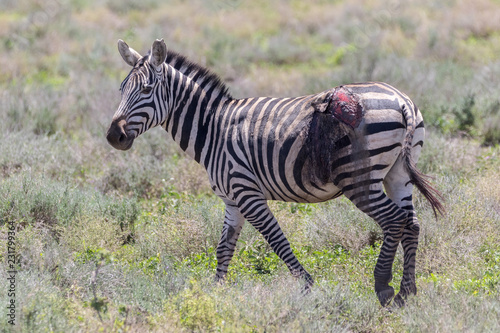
[{"x": 359, "y": 140}]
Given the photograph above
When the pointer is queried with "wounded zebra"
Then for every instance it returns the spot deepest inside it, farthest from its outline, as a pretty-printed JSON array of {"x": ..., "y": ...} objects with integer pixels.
[{"x": 360, "y": 140}]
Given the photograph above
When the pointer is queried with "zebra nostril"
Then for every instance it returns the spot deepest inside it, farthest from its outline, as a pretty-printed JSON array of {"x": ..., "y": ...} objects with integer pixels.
[{"x": 122, "y": 137}]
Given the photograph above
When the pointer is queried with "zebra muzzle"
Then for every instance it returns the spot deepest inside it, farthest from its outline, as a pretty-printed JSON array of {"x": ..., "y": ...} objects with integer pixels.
[{"x": 117, "y": 135}]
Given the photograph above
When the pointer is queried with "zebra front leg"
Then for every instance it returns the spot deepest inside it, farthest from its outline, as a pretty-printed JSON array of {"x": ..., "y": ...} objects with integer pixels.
[
  {"x": 233, "y": 222},
  {"x": 257, "y": 212}
]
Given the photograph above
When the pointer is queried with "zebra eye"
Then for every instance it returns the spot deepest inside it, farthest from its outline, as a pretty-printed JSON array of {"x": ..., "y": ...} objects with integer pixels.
[{"x": 146, "y": 89}]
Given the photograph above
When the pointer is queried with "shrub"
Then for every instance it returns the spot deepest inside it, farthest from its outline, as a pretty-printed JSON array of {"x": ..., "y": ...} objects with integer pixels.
[
  {"x": 197, "y": 310},
  {"x": 491, "y": 124}
]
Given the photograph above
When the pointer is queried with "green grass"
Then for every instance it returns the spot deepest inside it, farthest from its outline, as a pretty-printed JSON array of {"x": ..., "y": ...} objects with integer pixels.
[{"x": 125, "y": 241}]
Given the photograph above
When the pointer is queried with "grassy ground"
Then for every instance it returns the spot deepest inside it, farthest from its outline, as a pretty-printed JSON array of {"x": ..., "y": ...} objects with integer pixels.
[{"x": 124, "y": 241}]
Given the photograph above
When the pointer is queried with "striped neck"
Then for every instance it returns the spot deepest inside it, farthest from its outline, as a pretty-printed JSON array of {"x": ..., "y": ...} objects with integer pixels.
[{"x": 192, "y": 101}]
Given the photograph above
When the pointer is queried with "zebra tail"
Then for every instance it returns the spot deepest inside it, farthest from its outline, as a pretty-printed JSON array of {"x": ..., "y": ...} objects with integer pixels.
[
  {"x": 417, "y": 178},
  {"x": 421, "y": 181}
]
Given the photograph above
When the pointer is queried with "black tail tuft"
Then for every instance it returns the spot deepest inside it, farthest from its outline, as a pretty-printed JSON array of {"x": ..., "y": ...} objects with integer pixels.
[{"x": 421, "y": 181}]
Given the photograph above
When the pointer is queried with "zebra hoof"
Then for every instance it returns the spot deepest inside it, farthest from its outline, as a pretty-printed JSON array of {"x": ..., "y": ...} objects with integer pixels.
[
  {"x": 220, "y": 279},
  {"x": 306, "y": 290},
  {"x": 308, "y": 284},
  {"x": 404, "y": 292},
  {"x": 399, "y": 300},
  {"x": 385, "y": 296}
]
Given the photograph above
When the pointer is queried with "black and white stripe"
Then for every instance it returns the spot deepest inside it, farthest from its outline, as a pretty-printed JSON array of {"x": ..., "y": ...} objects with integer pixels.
[{"x": 359, "y": 140}]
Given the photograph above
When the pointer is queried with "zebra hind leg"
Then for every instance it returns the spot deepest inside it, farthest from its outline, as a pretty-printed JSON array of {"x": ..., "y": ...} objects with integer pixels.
[
  {"x": 410, "y": 245},
  {"x": 391, "y": 218},
  {"x": 233, "y": 222},
  {"x": 399, "y": 188}
]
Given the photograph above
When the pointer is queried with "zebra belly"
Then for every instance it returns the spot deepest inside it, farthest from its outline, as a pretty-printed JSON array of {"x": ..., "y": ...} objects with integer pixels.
[{"x": 315, "y": 193}]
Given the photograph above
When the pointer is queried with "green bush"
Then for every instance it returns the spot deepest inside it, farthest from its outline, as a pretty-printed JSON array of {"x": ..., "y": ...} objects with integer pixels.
[
  {"x": 30, "y": 200},
  {"x": 491, "y": 124}
]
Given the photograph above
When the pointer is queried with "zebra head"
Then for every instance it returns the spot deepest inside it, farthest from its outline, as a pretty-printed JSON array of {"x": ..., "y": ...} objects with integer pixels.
[{"x": 139, "y": 109}]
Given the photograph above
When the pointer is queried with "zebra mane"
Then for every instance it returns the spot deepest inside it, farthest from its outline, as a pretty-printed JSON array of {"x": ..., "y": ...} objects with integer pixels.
[{"x": 201, "y": 75}]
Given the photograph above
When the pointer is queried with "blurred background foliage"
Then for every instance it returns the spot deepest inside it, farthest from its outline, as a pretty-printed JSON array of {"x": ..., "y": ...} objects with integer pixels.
[{"x": 443, "y": 54}]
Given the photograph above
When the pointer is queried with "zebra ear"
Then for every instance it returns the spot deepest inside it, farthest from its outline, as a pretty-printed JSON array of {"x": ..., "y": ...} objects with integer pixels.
[
  {"x": 128, "y": 54},
  {"x": 158, "y": 53}
]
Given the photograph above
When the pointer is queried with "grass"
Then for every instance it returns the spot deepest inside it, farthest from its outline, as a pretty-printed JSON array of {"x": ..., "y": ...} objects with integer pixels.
[{"x": 125, "y": 241}]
